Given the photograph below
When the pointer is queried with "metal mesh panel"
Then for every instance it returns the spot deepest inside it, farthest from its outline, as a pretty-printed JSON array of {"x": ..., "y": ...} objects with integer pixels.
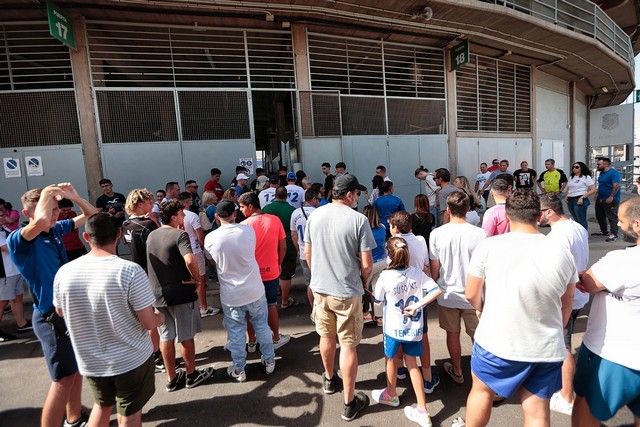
[
  {"x": 31, "y": 59},
  {"x": 352, "y": 66},
  {"x": 208, "y": 58},
  {"x": 207, "y": 115},
  {"x": 271, "y": 60},
  {"x": 493, "y": 96},
  {"x": 30, "y": 119},
  {"x": 362, "y": 115},
  {"x": 320, "y": 113},
  {"x": 416, "y": 116},
  {"x": 506, "y": 97},
  {"x": 467, "y": 95},
  {"x": 414, "y": 71},
  {"x": 523, "y": 98},
  {"x": 129, "y": 56},
  {"x": 137, "y": 116}
]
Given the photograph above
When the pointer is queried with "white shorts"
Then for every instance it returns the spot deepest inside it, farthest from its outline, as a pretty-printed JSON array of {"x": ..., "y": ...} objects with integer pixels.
[
  {"x": 10, "y": 287},
  {"x": 202, "y": 264}
]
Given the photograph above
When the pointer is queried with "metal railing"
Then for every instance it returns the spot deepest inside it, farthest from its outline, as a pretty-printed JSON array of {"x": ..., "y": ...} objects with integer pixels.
[{"x": 580, "y": 16}]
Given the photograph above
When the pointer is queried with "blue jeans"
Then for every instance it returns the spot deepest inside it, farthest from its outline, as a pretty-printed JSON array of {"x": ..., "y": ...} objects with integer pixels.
[
  {"x": 436, "y": 215},
  {"x": 579, "y": 212},
  {"x": 235, "y": 319}
]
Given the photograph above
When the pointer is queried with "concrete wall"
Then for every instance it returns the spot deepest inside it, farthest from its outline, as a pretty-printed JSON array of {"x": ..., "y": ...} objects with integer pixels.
[{"x": 552, "y": 121}]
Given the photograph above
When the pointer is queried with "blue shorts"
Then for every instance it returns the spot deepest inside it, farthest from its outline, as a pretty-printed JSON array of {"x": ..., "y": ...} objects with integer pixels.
[
  {"x": 505, "y": 377},
  {"x": 58, "y": 351},
  {"x": 271, "y": 288},
  {"x": 410, "y": 348},
  {"x": 606, "y": 386}
]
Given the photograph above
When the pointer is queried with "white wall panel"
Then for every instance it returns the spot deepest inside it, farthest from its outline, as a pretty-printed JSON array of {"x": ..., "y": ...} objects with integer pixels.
[
  {"x": 473, "y": 151},
  {"x": 316, "y": 151},
  {"x": 200, "y": 157},
  {"x": 552, "y": 122}
]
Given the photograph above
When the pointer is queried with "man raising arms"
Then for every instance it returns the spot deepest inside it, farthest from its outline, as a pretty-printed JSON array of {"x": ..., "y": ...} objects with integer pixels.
[{"x": 38, "y": 252}]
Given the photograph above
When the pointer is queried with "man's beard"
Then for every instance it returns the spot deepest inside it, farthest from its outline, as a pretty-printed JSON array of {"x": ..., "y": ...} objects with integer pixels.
[{"x": 629, "y": 236}]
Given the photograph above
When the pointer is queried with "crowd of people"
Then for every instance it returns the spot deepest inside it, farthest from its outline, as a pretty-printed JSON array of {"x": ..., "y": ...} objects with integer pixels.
[{"x": 115, "y": 322}]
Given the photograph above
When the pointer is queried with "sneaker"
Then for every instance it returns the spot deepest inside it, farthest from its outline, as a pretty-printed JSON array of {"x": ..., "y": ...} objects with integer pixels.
[
  {"x": 329, "y": 386},
  {"x": 7, "y": 309},
  {"x": 238, "y": 376},
  {"x": 209, "y": 311},
  {"x": 383, "y": 397},
  {"x": 418, "y": 416},
  {"x": 402, "y": 373},
  {"x": 429, "y": 386},
  {"x": 559, "y": 404},
  {"x": 458, "y": 422},
  {"x": 282, "y": 341},
  {"x": 612, "y": 238},
  {"x": 269, "y": 367},
  {"x": 351, "y": 411},
  {"x": 26, "y": 327},
  {"x": 177, "y": 382},
  {"x": 448, "y": 368},
  {"x": 198, "y": 376},
  {"x": 4, "y": 337},
  {"x": 158, "y": 362},
  {"x": 252, "y": 347},
  {"x": 80, "y": 422}
]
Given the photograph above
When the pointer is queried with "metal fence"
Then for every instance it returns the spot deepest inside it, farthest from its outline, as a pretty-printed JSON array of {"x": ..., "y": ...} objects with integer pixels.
[{"x": 581, "y": 16}]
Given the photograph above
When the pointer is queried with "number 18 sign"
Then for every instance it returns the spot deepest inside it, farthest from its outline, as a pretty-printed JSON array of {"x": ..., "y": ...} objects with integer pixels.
[
  {"x": 460, "y": 55},
  {"x": 60, "y": 25}
]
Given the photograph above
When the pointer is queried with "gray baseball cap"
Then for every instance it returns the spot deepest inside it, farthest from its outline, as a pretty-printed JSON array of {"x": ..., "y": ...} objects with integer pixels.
[{"x": 347, "y": 182}]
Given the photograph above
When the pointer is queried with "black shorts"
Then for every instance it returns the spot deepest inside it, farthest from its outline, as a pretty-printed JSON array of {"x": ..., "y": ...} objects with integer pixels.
[{"x": 288, "y": 267}]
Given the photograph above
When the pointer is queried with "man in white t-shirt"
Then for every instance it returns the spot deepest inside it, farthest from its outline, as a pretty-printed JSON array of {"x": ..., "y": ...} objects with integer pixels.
[
  {"x": 298, "y": 223},
  {"x": 431, "y": 189},
  {"x": 196, "y": 237},
  {"x": 523, "y": 304},
  {"x": 481, "y": 178},
  {"x": 295, "y": 193},
  {"x": 232, "y": 247},
  {"x": 268, "y": 195},
  {"x": 574, "y": 237},
  {"x": 608, "y": 367},
  {"x": 451, "y": 246},
  {"x": 107, "y": 304}
]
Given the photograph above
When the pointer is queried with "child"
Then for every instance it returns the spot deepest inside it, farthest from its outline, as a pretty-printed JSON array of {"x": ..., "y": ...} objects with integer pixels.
[
  {"x": 404, "y": 290},
  {"x": 72, "y": 243}
]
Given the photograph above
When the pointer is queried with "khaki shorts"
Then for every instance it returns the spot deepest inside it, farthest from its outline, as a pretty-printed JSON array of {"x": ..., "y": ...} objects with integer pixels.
[
  {"x": 341, "y": 317},
  {"x": 450, "y": 319},
  {"x": 202, "y": 264},
  {"x": 129, "y": 391}
]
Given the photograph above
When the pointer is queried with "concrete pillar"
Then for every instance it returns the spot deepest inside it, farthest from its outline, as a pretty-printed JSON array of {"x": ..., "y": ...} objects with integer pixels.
[
  {"x": 535, "y": 144},
  {"x": 86, "y": 112},
  {"x": 572, "y": 122}
]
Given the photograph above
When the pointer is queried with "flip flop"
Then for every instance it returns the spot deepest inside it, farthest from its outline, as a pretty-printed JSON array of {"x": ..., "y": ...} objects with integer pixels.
[{"x": 291, "y": 302}]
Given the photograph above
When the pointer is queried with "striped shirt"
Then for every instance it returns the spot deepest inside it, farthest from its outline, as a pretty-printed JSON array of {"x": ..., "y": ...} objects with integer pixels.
[{"x": 99, "y": 297}]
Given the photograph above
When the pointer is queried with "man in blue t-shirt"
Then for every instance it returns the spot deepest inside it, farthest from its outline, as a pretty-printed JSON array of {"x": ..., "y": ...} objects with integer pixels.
[
  {"x": 38, "y": 252},
  {"x": 387, "y": 204},
  {"x": 608, "y": 199}
]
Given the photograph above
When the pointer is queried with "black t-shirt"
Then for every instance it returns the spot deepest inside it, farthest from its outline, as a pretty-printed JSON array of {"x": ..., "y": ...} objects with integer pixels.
[
  {"x": 524, "y": 179},
  {"x": 135, "y": 232},
  {"x": 115, "y": 202},
  {"x": 421, "y": 225},
  {"x": 166, "y": 248},
  {"x": 195, "y": 204},
  {"x": 328, "y": 186}
]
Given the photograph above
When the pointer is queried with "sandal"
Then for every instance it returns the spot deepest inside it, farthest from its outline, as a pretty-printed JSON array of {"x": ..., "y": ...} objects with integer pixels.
[
  {"x": 448, "y": 368},
  {"x": 291, "y": 302},
  {"x": 378, "y": 321}
]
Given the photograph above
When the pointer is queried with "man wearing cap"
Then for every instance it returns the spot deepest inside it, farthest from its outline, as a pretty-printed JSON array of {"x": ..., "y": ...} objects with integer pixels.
[
  {"x": 338, "y": 243},
  {"x": 259, "y": 183},
  {"x": 295, "y": 193},
  {"x": 242, "y": 294},
  {"x": 268, "y": 195},
  {"x": 241, "y": 184}
]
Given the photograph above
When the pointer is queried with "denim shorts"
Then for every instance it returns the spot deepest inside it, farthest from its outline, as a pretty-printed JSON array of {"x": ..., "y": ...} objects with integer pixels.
[
  {"x": 271, "y": 288},
  {"x": 58, "y": 351},
  {"x": 410, "y": 348},
  {"x": 505, "y": 377},
  {"x": 607, "y": 386}
]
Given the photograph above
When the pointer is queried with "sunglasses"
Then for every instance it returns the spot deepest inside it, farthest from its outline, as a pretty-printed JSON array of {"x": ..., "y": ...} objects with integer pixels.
[{"x": 576, "y": 166}]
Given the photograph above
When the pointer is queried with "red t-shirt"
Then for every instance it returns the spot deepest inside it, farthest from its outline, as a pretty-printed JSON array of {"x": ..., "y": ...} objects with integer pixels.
[
  {"x": 214, "y": 186},
  {"x": 71, "y": 240},
  {"x": 269, "y": 231}
]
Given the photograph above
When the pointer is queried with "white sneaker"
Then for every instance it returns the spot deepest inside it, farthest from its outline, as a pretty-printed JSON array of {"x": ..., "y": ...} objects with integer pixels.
[
  {"x": 269, "y": 367},
  {"x": 558, "y": 404},
  {"x": 284, "y": 339},
  {"x": 417, "y": 416},
  {"x": 209, "y": 311},
  {"x": 238, "y": 376}
]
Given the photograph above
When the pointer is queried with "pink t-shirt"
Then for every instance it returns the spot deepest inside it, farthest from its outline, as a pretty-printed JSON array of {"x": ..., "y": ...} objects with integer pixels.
[
  {"x": 495, "y": 221},
  {"x": 14, "y": 215},
  {"x": 269, "y": 231}
]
